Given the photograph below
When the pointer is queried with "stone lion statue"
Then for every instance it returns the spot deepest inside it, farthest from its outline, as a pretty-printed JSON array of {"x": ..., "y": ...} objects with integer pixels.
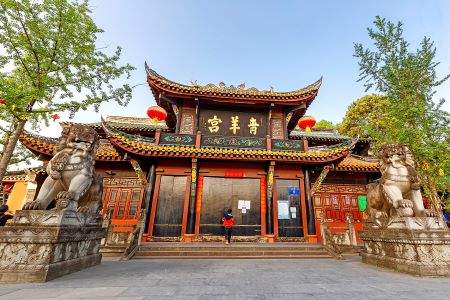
[
  {"x": 71, "y": 180},
  {"x": 398, "y": 192}
]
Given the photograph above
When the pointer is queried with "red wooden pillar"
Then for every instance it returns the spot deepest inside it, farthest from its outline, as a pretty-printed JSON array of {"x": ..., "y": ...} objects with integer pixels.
[
  {"x": 263, "y": 191},
  {"x": 303, "y": 204},
  {"x": 154, "y": 203},
  {"x": 270, "y": 203},
  {"x": 198, "y": 204},
  {"x": 275, "y": 209}
]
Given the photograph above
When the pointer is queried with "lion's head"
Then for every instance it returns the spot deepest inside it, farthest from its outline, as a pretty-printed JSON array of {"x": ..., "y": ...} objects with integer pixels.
[
  {"x": 76, "y": 133},
  {"x": 397, "y": 154}
]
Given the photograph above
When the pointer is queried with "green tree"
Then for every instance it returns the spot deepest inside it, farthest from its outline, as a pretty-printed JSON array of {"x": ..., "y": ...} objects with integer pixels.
[
  {"x": 324, "y": 124},
  {"x": 51, "y": 58},
  {"x": 409, "y": 80},
  {"x": 366, "y": 117}
]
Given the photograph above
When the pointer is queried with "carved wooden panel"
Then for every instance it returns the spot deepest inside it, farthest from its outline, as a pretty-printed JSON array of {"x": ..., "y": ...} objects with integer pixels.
[
  {"x": 121, "y": 181},
  {"x": 177, "y": 139},
  {"x": 336, "y": 200},
  {"x": 234, "y": 142},
  {"x": 288, "y": 145},
  {"x": 122, "y": 196},
  {"x": 187, "y": 124},
  {"x": 277, "y": 129},
  {"x": 342, "y": 188}
]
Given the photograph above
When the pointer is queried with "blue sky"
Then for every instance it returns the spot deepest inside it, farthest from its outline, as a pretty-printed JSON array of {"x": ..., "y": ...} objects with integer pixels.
[{"x": 284, "y": 44}]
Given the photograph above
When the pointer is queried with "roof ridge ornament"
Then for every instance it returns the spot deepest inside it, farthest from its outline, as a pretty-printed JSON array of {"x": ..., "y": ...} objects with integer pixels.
[
  {"x": 224, "y": 87},
  {"x": 160, "y": 84}
]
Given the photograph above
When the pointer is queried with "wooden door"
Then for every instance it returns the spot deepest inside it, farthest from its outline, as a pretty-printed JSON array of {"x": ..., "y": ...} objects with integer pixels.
[
  {"x": 170, "y": 206},
  {"x": 242, "y": 195},
  {"x": 289, "y": 208}
]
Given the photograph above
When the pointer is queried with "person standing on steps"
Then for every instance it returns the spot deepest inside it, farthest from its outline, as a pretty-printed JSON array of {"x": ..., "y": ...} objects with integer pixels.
[{"x": 228, "y": 222}]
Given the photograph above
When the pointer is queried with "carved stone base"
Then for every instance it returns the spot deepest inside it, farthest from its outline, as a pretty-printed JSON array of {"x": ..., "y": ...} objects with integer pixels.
[
  {"x": 41, "y": 245},
  {"x": 418, "y": 246}
]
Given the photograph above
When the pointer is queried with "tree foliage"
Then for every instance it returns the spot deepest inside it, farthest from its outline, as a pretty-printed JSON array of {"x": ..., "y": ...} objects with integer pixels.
[
  {"x": 324, "y": 124},
  {"x": 366, "y": 117},
  {"x": 53, "y": 64},
  {"x": 409, "y": 80}
]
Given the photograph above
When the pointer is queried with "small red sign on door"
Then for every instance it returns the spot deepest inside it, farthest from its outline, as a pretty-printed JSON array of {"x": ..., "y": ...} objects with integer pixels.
[{"x": 234, "y": 173}]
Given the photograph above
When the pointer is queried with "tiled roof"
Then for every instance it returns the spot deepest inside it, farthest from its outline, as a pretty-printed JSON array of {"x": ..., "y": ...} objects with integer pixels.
[
  {"x": 44, "y": 145},
  {"x": 357, "y": 163},
  {"x": 126, "y": 123},
  {"x": 148, "y": 149},
  {"x": 299, "y": 134},
  {"x": 222, "y": 91}
]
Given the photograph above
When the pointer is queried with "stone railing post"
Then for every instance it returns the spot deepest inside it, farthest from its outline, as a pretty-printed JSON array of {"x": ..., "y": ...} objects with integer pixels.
[{"x": 351, "y": 229}]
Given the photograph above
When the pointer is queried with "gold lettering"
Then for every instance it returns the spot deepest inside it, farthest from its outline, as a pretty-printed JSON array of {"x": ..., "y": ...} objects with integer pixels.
[
  {"x": 214, "y": 122},
  {"x": 235, "y": 124},
  {"x": 253, "y": 126}
]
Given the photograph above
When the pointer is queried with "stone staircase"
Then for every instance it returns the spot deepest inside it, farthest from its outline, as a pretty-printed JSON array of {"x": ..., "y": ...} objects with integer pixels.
[{"x": 234, "y": 250}]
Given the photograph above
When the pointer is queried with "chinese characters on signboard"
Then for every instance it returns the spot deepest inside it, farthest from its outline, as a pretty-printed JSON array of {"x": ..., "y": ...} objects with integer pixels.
[
  {"x": 214, "y": 122},
  {"x": 232, "y": 123}
]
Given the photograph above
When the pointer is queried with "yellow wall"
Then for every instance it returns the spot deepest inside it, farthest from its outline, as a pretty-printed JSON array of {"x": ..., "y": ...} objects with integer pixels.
[{"x": 17, "y": 196}]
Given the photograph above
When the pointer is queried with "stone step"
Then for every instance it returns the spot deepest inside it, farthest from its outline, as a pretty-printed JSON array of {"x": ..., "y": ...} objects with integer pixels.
[
  {"x": 238, "y": 245},
  {"x": 227, "y": 252},
  {"x": 112, "y": 250},
  {"x": 234, "y": 250},
  {"x": 230, "y": 248},
  {"x": 325, "y": 256}
]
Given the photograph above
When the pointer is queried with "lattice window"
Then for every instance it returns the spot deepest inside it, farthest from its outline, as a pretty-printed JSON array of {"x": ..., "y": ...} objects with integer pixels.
[{"x": 123, "y": 196}]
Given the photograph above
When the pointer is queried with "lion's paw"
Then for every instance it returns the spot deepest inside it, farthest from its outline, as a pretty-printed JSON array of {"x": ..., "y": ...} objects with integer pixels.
[
  {"x": 33, "y": 205},
  {"x": 431, "y": 213},
  {"x": 64, "y": 195},
  {"x": 405, "y": 203}
]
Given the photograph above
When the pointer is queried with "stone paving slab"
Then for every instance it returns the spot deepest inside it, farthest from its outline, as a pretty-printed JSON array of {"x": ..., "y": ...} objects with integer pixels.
[{"x": 233, "y": 279}]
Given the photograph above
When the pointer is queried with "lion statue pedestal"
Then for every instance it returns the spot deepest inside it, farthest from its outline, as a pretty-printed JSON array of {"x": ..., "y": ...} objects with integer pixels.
[
  {"x": 400, "y": 233},
  {"x": 414, "y": 245},
  {"x": 40, "y": 245}
]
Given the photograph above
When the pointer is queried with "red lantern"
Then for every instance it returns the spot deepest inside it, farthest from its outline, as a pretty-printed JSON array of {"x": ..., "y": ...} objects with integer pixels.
[
  {"x": 2, "y": 101},
  {"x": 156, "y": 113},
  {"x": 306, "y": 122},
  {"x": 55, "y": 117}
]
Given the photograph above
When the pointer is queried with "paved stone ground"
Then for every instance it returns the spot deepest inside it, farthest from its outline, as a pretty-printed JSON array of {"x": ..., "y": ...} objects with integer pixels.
[{"x": 233, "y": 279}]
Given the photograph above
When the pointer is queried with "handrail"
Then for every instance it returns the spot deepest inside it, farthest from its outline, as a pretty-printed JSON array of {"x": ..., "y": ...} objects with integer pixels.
[{"x": 134, "y": 239}]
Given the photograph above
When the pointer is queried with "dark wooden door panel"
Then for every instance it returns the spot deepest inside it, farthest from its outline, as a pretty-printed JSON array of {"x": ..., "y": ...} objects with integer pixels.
[
  {"x": 219, "y": 194},
  {"x": 288, "y": 196},
  {"x": 169, "y": 210}
]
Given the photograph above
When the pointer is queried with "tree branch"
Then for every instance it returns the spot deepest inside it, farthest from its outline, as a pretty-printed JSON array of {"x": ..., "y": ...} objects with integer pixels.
[
  {"x": 33, "y": 49},
  {"x": 19, "y": 56}
]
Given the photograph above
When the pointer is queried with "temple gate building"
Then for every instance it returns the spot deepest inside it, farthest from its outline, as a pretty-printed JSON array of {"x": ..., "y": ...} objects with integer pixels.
[{"x": 225, "y": 147}]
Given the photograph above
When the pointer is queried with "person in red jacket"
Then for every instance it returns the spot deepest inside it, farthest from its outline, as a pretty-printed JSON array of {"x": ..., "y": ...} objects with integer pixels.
[{"x": 228, "y": 222}]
